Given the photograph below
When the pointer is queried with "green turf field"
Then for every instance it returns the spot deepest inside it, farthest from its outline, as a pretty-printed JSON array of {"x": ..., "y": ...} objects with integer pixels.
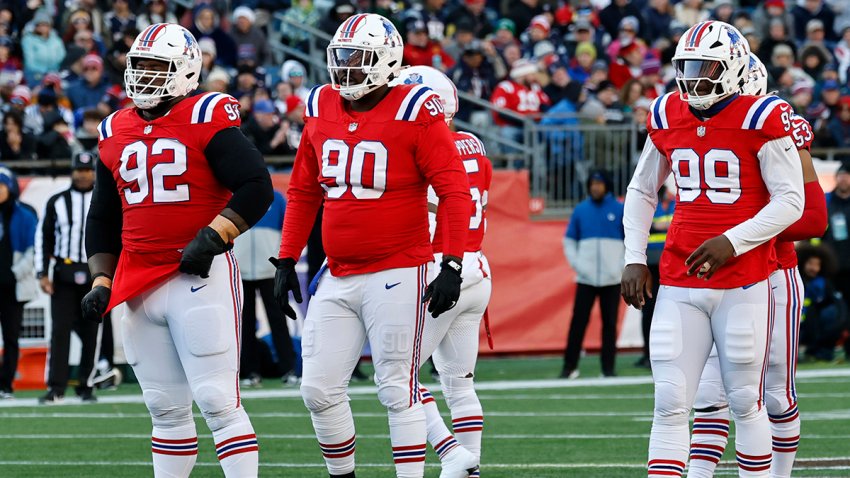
[{"x": 535, "y": 427}]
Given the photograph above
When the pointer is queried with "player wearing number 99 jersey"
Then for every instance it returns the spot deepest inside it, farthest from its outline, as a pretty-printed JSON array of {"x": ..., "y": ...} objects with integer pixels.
[
  {"x": 739, "y": 184},
  {"x": 369, "y": 151},
  {"x": 177, "y": 182}
]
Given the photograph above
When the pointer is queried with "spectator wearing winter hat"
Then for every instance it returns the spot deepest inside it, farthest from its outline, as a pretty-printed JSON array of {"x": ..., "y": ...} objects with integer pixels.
[
  {"x": 302, "y": 12},
  {"x": 294, "y": 73},
  {"x": 538, "y": 32},
  {"x": 421, "y": 50},
  {"x": 116, "y": 59},
  {"x": 801, "y": 96},
  {"x": 155, "y": 11},
  {"x": 809, "y": 10},
  {"x": 650, "y": 78},
  {"x": 581, "y": 31},
  {"x": 783, "y": 57},
  {"x": 604, "y": 107},
  {"x": 658, "y": 16},
  {"x": 117, "y": 20},
  {"x": 248, "y": 38},
  {"x": 505, "y": 34},
  {"x": 19, "y": 99},
  {"x": 768, "y": 11},
  {"x": 691, "y": 12},
  {"x": 723, "y": 11},
  {"x": 206, "y": 25},
  {"x": 611, "y": 16},
  {"x": 35, "y": 116},
  {"x": 463, "y": 35},
  {"x": 813, "y": 59},
  {"x": 43, "y": 50},
  {"x": 209, "y": 55},
  {"x": 87, "y": 91},
  {"x": 628, "y": 34},
  {"x": 14, "y": 142},
  {"x": 476, "y": 75},
  {"x": 628, "y": 64},
  {"x": 473, "y": 12},
  {"x": 582, "y": 63},
  {"x": 54, "y": 81},
  {"x": 266, "y": 130},
  {"x": 521, "y": 94}
]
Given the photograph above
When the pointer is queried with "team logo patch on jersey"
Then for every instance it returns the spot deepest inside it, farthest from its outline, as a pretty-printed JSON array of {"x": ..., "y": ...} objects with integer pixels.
[
  {"x": 413, "y": 79},
  {"x": 700, "y": 131},
  {"x": 352, "y": 126},
  {"x": 148, "y": 129}
]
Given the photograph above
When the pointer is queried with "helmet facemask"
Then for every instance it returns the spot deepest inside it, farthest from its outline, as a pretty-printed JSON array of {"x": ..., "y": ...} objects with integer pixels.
[
  {"x": 352, "y": 70},
  {"x": 149, "y": 88},
  {"x": 701, "y": 82}
]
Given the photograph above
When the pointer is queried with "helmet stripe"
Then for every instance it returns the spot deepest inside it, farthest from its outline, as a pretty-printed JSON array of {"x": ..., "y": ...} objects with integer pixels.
[
  {"x": 352, "y": 24},
  {"x": 152, "y": 32},
  {"x": 699, "y": 31}
]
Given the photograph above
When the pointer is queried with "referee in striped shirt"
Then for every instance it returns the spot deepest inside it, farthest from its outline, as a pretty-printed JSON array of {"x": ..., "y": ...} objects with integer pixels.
[{"x": 61, "y": 236}]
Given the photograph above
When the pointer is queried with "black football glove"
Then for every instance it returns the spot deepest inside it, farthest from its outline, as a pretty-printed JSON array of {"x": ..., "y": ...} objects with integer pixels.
[
  {"x": 95, "y": 302},
  {"x": 286, "y": 281},
  {"x": 198, "y": 254},
  {"x": 444, "y": 291}
]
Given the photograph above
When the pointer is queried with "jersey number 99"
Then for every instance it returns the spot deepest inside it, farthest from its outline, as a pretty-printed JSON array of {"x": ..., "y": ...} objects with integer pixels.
[{"x": 719, "y": 168}]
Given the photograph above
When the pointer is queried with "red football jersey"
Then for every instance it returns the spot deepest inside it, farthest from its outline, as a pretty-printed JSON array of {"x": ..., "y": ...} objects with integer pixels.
[
  {"x": 168, "y": 191},
  {"x": 372, "y": 170},
  {"x": 716, "y": 167},
  {"x": 519, "y": 98},
  {"x": 480, "y": 173},
  {"x": 802, "y": 135}
]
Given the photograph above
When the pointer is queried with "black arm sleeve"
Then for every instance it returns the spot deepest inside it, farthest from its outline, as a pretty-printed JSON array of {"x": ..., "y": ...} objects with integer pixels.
[
  {"x": 103, "y": 224},
  {"x": 240, "y": 167}
]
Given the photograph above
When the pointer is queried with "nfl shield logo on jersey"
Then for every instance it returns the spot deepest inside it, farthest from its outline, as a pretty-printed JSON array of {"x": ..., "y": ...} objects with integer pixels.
[
  {"x": 352, "y": 126},
  {"x": 148, "y": 129},
  {"x": 700, "y": 131}
]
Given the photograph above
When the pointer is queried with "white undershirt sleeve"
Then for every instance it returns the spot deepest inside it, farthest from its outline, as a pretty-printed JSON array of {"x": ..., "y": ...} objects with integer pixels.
[
  {"x": 641, "y": 201},
  {"x": 782, "y": 173}
]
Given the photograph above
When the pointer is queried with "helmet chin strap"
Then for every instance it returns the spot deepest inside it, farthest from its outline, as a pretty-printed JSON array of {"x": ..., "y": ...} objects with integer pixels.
[{"x": 161, "y": 108}]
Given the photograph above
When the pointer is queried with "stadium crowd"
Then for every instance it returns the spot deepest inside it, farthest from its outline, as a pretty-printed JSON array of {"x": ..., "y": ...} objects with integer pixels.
[{"x": 62, "y": 63}]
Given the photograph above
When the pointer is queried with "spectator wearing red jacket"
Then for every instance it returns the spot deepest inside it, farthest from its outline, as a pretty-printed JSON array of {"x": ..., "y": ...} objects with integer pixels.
[
  {"x": 627, "y": 66},
  {"x": 421, "y": 50},
  {"x": 521, "y": 94}
]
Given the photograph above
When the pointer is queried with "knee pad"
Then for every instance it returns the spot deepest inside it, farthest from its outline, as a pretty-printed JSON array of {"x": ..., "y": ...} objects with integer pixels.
[
  {"x": 165, "y": 411},
  {"x": 743, "y": 401},
  {"x": 458, "y": 391},
  {"x": 670, "y": 394},
  {"x": 205, "y": 333},
  {"x": 710, "y": 394},
  {"x": 317, "y": 399},
  {"x": 395, "y": 396},
  {"x": 215, "y": 404}
]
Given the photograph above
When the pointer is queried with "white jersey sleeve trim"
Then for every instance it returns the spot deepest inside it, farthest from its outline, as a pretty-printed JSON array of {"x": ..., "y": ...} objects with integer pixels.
[
  {"x": 104, "y": 129},
  {"x": 659, "y": 112},
  {"x": 641, "y": 201},
  {"x": 199, "y": 111},
  {"x": 780, "y": 169},
  {"x": 759, "y": 112},
  {"x": 312, "y": 110},
  {"x": 412, "y": 103}
]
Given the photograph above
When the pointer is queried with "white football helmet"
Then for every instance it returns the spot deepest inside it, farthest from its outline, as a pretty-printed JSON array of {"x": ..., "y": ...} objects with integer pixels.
[
  {"x": 755, "y": 83},
  {"x": 434, "y": 79},
  {"x": 172, "y": 44},
  {"x": 367, "y": 43},
  {"x": 711, "y": 62}
]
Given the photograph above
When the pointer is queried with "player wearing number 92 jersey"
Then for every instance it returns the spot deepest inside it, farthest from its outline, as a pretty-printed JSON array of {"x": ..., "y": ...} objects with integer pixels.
[
  {"x": 740, "y": 183},
  {"x": 176, "y": 183}
]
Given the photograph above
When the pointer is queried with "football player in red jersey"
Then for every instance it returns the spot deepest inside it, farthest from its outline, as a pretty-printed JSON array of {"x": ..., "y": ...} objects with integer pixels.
[
  {"x": 177, "y": 182},
  {"x": 740, "y": 184},
  {"x": 369, "y": 151},
  {"x": 711, "y": 412},
  {"x": 454, "y": 338}
]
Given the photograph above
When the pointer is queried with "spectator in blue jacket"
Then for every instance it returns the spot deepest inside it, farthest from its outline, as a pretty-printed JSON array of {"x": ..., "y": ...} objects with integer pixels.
[
  {"x": 87, "y": 91},
  {"x": 594, "y": 247},
  {"x": 18, "y": 284},
  {"x": 252, "y": 249},
  {"x": 42, "y": 48}
]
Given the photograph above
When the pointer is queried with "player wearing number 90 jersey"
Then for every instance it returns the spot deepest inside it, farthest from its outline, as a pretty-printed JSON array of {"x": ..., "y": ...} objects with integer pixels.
[
  {"x": 369, "y": 151},
  {"x": 177, "y": 182},
  {"x": 739, "y": 184}
]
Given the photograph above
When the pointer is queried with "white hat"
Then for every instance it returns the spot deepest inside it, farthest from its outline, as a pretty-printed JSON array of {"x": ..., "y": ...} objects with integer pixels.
[
  {"x": 244, "y": 11},
  {"x": 207, "y": 45},
  {"x": 523, "y": 67}
]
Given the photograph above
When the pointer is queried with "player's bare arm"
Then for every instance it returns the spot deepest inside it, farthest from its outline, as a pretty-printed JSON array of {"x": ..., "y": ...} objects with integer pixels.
[{"x": 639, "y": 207}]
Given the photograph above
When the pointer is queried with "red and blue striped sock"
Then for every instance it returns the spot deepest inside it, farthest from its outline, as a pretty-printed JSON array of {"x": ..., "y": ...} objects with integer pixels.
[{"x": 174, "y": 450}]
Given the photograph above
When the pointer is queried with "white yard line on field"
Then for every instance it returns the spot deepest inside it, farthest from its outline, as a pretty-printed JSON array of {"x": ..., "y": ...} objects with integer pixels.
[{"x": 504, "y": 385}]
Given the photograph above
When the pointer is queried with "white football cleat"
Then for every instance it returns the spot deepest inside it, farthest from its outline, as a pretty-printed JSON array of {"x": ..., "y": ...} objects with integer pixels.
[{"x": 458, "y": 463}]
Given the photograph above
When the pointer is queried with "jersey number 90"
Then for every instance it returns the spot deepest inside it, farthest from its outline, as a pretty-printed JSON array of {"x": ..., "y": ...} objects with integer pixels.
[{"x": 337, "y": 177}]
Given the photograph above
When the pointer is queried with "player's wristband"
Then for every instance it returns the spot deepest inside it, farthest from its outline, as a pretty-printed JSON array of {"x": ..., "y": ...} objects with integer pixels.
[
  {"x": 101, "y": 274},
  {"x": 452, "y": 264}
]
